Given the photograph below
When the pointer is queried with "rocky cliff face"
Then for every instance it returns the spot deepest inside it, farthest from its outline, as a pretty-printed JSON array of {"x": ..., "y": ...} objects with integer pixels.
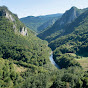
[
  {"x": 14, "y": 19},
  {"x": 23, "y": 31},
  {"x": 69, "y": 16},
  {"x": 9, "y": 16},
  {"x": 4, "y": 12}
]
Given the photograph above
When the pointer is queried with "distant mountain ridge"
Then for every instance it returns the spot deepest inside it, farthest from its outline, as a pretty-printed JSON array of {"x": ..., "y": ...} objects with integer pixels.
[
  {"x": 39, "y": 23},
  {"x": 70, "y": 15},
  {"x": 58, "y": 27}
]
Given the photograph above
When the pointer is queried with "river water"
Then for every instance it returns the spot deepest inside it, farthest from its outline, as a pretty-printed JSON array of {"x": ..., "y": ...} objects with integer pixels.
[{"x": 53, "y": 62}]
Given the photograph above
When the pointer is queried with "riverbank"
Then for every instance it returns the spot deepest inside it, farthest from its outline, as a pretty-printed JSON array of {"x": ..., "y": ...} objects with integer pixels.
[{"x": 52, "y": 60}]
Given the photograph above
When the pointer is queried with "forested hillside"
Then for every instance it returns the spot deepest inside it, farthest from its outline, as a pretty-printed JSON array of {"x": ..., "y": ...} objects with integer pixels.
[
  {"x": 59, "y": 26},
  {"x": 24, "y": 58},
  {"x": 69, "y": 48},
  {"x": 40, "y": 23},
  {"x": 19, "y": 45}
]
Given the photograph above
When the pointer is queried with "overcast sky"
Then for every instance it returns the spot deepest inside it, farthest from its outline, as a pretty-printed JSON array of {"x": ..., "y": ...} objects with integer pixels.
[{"x": 25, "y": 8}]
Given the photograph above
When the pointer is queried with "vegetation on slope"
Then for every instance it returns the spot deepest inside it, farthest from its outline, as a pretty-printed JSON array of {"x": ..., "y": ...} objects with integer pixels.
[
  {"x": 75, "y": 43},
  {"x": 73, "y": 77},
  {"x": 29, "y": 52},
  {"x": 29, "y": 49},
  {"x": 8, "y": 76},
  {"x": 39, "y": 23},
  {"x": 58, "y": 28},
  {"x": 70, "y": 52},
  {"x": 15, "y": 47},
  {"x": 78, "y": 33}
]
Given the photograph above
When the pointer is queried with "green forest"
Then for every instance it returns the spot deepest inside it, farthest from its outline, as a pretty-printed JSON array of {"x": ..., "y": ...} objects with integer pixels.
[{"x": 24, "y": 58}]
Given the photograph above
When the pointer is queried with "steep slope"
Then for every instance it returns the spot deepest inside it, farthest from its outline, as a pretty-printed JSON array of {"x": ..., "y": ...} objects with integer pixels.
[
  {"x": 57, "y": 29},
  {"x": 47, "y": 24},
  {"x": 19, "y": 48},
  {"x": 37, "y": 23},
  {"x": 18, "y": 42},
  {"x": 8, "y": 76},
  {"x": 78, "y": 28},
  {"x": 73, "y": 45}
]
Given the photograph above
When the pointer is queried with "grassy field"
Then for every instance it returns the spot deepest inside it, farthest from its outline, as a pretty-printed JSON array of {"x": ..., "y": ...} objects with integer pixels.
[
  {"x": 83, "y": 62},
  {"x": 20, "y": 68}
]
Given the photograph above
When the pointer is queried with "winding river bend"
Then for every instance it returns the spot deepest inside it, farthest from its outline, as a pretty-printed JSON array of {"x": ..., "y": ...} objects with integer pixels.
[{"x": 52, "y": 61}]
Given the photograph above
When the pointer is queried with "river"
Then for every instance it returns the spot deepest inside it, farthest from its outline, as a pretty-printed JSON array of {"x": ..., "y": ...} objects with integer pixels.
[{"x": 52, "y": 61}]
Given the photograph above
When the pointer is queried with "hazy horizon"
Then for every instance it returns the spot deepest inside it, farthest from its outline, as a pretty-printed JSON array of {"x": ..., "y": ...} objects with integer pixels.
[{"x": 40, "y": 8}]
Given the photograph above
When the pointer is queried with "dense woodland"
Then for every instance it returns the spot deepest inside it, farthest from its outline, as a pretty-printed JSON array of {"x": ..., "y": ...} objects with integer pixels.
[{"x": 24, "y": 59}]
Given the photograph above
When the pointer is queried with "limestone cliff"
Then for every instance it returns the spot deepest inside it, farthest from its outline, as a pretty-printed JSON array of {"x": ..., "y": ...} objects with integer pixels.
[
  {"x": 23, "y": 31},
  {"x": 18, "y": 27}
]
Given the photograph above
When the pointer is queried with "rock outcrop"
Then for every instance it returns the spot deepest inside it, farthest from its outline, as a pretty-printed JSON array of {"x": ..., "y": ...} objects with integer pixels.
[
  {"x": 23, "y": 31},
  {"x": 69, "y": 16},
  {"x": 14, "y": 19},
  {"x": 9, "y": 16}
]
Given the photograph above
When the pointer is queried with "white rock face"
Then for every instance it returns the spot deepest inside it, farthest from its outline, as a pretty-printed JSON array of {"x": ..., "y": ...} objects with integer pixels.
[
  {"x": 14, "y": 28},
  {"x": 9, "y": 16},
  {"x": 23, "y": 31}
]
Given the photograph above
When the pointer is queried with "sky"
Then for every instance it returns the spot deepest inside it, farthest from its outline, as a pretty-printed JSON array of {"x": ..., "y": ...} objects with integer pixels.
[{"x": 25, "y": 8}]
